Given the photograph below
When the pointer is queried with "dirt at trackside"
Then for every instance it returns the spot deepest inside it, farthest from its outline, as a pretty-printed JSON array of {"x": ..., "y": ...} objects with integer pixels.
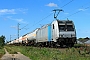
[{"x": 18, "y": 56}]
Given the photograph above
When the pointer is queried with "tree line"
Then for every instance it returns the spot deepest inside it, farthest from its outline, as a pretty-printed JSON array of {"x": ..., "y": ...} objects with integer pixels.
[
  {"x": 2, "y": 40},
  {"x": 84, "y": 39}
]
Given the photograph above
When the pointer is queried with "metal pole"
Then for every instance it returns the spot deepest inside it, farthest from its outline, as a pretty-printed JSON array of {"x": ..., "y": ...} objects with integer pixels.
[{"x": 18, "y": 30}]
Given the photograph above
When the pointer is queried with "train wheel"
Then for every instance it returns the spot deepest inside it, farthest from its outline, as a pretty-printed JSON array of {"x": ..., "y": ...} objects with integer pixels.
[
  {"x": 52, "y": 44},
  {"x": 61, "y": 44}
]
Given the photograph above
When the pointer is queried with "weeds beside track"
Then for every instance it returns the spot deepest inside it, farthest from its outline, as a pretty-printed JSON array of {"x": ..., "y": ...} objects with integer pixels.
[{"x": 43, "y": 53}]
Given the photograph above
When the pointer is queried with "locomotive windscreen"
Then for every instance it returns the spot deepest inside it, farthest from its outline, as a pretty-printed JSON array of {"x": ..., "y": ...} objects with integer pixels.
[
  {"x": 62, "y": 27},
  {"x": 70, "y": 28},
  {"x": 65, "y": 26}
]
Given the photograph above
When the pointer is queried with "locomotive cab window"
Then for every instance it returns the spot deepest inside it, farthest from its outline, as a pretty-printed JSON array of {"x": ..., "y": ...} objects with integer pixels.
[
  {"x": 53, "y": 26},
  {"x": 62, "y": 27},
  {"x": 70, "y": 28}
]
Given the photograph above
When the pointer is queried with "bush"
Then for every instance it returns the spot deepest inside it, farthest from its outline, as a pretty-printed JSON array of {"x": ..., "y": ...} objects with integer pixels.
[
  {"x": 2, "y": 52},
  {"x": 79, "y": 45}
]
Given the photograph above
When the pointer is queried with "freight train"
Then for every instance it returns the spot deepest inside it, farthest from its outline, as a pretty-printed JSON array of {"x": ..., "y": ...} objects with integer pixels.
[{"x": 57, "y": 33}]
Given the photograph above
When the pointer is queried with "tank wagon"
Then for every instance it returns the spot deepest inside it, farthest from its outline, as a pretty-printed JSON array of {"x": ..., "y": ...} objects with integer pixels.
[
  {"x": 9, "y": 43},
  {"x": 24, "y": 39},
  {"x": 31, "y": 37},
  {"x": 20, "y": 40}
]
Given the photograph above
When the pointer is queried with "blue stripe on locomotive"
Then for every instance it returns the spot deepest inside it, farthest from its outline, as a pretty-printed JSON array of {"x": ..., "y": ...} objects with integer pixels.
[{"x": 49, "y": 32}]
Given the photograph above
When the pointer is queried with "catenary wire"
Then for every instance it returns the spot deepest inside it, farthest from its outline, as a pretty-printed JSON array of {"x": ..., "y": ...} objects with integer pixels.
[
  {"x": 67, "y": 3},
  {"x": 77, "y": 12}
]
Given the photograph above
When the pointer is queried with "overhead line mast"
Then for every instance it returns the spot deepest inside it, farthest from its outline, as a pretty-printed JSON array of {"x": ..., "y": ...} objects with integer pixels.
[{"x": 18, "y": 30}]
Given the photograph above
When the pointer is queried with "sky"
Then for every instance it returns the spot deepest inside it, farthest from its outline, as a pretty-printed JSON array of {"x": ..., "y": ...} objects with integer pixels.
[{"x": 32, "y": 14}]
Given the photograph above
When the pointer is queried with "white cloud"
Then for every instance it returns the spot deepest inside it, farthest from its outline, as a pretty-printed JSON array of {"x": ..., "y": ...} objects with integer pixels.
[
  {"x": 66, "y": 13},
  {"x": 14, "y": 27},
  {"x": 82, "y": 9},
  {"x": 7, "y": 11},
  {"x": 52, "y": 5},
  {"x": 9, "y": 17},
  {"x": 12, "y": 11},
  {"x": 22, "y": 10},
  {"x": 20, "y": 20}
]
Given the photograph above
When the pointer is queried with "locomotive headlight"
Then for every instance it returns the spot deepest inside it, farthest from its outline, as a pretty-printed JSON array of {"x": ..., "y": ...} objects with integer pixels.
[
  {"x": 61, "y": 35},
  {"x": 73, "y": 35}
]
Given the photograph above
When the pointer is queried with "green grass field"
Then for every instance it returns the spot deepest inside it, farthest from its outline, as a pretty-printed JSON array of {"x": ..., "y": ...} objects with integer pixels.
[
  {"x": 2, "y": 52},
  {"x": 37, "y": 53}
]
